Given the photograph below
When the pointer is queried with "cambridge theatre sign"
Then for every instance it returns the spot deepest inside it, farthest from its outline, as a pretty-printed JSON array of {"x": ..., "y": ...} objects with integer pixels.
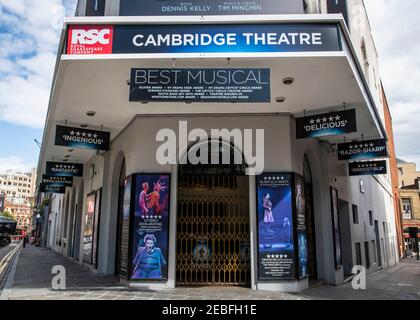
[{"x": 210, "y": 38}]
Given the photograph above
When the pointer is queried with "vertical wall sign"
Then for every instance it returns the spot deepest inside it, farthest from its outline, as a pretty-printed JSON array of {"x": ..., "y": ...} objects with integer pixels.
[
  {"x": 326, "y": 124},
  {"x": 336, "y": 228},
  {"x": 82, "y": 138},
  {"x": 151, "y": 227},
  {"x": 302, "y": 238},
  {"x": 64, "y": 169},
  {"x": 276, "y": 260},
  {"x": 368, "y": 149},
  {"x": 125, "y": 227},
  {"x": 89, "y": 226},
  {"x": 367, "y": 168}
]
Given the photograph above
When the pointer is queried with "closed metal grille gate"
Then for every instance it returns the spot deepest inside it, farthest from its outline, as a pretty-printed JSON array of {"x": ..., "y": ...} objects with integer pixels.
[{"x": 213, "y": 231}]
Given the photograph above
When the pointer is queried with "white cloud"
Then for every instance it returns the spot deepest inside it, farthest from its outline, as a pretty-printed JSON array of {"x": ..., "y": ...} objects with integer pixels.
[
  {"x": 14, "y": 163},
  {"x": 396, "y": 31},
  {"x": 28, "y": 47}
]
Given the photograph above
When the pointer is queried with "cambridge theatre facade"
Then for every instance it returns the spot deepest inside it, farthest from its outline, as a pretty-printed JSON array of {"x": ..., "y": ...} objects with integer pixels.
[{"x": 218, "y": 143}]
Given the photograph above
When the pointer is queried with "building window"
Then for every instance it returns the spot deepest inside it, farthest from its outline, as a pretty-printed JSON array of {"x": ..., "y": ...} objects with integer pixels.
[
  {"x": 355, "y": 215},
  {"x": 371, "y": 217},
  {"x": 406, "y": 205},
  {"x": 374, "y": 251}
]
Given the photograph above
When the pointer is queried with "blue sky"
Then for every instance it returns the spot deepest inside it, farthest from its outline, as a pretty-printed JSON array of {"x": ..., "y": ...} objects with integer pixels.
[{"x": 29, "y": 34}]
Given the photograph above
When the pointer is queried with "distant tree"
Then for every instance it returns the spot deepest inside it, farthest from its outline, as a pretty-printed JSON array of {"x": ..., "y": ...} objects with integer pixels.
[{"x": 7, "y": 214}]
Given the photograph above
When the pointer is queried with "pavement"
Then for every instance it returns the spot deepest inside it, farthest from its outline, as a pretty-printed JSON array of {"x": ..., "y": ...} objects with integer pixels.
[{"x": 31, "y": 279}]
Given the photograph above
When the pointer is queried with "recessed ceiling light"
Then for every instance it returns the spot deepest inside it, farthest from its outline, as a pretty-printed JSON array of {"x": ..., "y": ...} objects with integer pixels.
[
  {"x": 280, "y": 99},
  {"x": 288, "y": 81},
  {"x": 65, "y": 160},
  {"x": 90, "y": 113},
  {"x": 67, "y": 156},
  {"x": 70, "y": 150},
  {"x": 84, "y": 125},
  {"x": 144, "y": 102}
]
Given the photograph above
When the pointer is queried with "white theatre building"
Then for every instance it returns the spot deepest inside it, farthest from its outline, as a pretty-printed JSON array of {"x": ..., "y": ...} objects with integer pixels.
[{"x": 131, "y": 70}]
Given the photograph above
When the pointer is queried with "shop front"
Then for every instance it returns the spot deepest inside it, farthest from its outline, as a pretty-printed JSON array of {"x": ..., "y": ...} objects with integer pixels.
[{"x": 207, "y": 146}]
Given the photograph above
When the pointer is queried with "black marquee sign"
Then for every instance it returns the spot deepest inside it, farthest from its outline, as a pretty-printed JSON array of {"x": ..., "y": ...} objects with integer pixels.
[
  {"x": 208, "y": 7},
  {"x": 64, "y": 169},
  {"x": 200, "y": 85},
  {"x": 367, "y": 168},
  {"x": 82, "y": 138},
  {"x": 326, "y": 124},
  {"x": 368, "y": 149}
]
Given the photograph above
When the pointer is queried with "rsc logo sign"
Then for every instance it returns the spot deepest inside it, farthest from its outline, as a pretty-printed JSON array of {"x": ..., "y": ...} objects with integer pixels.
[{"x": 92, "y": 36}]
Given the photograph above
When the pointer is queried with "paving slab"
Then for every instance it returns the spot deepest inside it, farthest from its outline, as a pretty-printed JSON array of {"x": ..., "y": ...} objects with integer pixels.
[{"x": 33, "y": 278}]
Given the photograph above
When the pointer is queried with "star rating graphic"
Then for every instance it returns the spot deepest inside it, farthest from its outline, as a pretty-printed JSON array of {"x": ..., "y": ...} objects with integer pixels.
[
  {"x": 151, "y": 217},
  {"x": 324, "y": 119},
  {"x": 276, "y": 256}
]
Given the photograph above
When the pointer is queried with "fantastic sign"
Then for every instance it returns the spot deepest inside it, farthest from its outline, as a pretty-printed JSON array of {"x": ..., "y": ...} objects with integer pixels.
[
  {"x": 326, "y": 124},
  {"x": 61, "y": 169},
  {"x": 82, "y": 138},
  {"x": 367, "y": 168},
  {"x": 369, "y": 149},
  {"x": 200, "y": 85}
]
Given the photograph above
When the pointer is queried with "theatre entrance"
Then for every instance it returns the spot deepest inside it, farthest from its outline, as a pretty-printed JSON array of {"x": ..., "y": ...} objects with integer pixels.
[{"x": 213, "y": 235}]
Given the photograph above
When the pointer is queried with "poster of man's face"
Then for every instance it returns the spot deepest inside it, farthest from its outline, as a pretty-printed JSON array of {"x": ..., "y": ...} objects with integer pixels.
[{"x": 151, "y": 216}]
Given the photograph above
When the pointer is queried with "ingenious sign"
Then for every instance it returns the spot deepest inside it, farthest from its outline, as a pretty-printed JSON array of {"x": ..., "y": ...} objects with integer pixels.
[
  {"x": 208, "y": 7},
  {"x": 367, "y": 168},
  {"x": 368, "y": 149},
  {"x": 82, "y": 138},
  {"x": 200, "y": 85},
  {"x": 276, "y": 253},
  {"x": 211, "y": 38},
  {"x": 64, "y": 169},
  {"x": 327, "y": 124}
]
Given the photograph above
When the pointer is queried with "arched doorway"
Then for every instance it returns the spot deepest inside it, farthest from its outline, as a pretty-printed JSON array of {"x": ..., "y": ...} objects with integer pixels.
[
  {"x": 213, "y": 232},
  {"x": 119, "y": 242},
  {"x": 310, "y": 220}
]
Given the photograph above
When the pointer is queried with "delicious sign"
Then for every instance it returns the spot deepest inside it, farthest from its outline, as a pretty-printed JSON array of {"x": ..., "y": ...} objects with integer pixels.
[
  {"x": 200, "y": 85},
  {"x": 367, "y": 168},
  {"x": 82, "y": 138},
  {"x": 369, "y": 149},
  {"x": 214, "y": 38},
  {"x": 61, "y": 169},
  {"x": 57, "y": 180},
  {"x": 326, "y": 124},
  {"x": 208, "y": 7}
]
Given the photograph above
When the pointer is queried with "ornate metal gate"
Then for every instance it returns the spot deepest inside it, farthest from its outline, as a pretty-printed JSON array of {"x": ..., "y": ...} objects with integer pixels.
[{"x": 213, "y": 231}]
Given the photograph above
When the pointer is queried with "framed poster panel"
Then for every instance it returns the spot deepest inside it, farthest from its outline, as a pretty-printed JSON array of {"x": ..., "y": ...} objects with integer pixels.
[
  {"x": 301, "y": 230},
  {"x": 96, "y": 229},
  {"x": 125, "y": 227},
  {"x": 338, "y": 259},
  {"x": 150, "y": 231},
  {"x": 89, "y": 224},
  {"x": 275, "y": 236}
]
